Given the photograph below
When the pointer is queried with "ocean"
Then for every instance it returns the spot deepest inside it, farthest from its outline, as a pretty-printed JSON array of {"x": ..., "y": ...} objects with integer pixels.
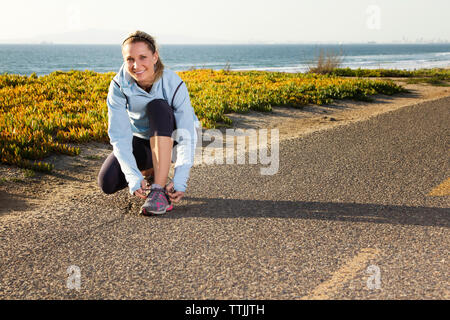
[{"x": 46, "y": 58}]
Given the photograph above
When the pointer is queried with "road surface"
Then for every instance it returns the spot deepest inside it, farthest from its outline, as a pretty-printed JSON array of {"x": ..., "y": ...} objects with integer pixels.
[{"x": 349, "y": 215}]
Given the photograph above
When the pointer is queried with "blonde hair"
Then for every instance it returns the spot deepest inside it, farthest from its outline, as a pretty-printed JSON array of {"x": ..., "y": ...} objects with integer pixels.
[{"x": 141, "y": 36}]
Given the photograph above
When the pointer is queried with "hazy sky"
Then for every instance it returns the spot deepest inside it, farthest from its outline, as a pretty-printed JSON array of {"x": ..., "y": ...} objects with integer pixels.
[{"x": 227, "y": 21}]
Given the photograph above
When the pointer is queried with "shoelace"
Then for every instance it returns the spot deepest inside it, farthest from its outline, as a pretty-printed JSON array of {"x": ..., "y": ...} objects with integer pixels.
[{"x": 156, "y": 192}]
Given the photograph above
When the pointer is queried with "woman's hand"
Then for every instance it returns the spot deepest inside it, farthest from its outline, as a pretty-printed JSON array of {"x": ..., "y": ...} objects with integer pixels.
[
  {"x": 175, "y": 196},
  {"x": 141, "y": 193}
]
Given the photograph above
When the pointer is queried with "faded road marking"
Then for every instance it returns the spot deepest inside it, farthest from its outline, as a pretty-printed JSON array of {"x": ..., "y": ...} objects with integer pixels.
[
  {"x": 441, "y": 190},
  {"x": 351, "y": 269}
]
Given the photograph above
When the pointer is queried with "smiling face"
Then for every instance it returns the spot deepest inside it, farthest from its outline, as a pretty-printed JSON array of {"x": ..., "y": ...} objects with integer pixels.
[{"x": 140, "y": 61}]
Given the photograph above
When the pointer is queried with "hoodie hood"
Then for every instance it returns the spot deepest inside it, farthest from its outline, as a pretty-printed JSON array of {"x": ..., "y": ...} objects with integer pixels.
[{"x": 123, "y": 77}]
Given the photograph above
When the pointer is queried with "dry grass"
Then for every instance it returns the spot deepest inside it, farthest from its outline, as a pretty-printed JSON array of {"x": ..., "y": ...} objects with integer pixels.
[{"x": 325, "y": 63}]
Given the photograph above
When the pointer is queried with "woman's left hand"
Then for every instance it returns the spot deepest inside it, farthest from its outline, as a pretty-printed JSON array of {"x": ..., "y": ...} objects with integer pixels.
[{"x": 175, "y": 196}]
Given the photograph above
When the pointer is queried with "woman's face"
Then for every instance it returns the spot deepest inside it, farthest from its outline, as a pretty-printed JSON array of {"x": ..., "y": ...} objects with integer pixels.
[{"x": 140, "y": 62}]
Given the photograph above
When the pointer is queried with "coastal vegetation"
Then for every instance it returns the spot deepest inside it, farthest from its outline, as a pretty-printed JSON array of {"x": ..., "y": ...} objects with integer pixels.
[
  {"x": 325, "y": 62},
  {"x": 435, "y": 76},
  {"x": 216, "y": 93},
  {"x": 441, "y": 73},
  {"x": 40, "y": 116},
  {"x": 329, "y": 63}
]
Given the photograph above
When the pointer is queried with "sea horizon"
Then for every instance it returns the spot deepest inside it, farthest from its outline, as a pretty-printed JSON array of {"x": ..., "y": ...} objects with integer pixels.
[
  {"x": 233, "y": 44},
  {"x": 44, "y": 58}
]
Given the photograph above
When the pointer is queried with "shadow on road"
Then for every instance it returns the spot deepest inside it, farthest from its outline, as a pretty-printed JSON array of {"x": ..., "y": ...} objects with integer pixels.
[
  {"x": 14, "y": 202},
  {"x": 350, "y": 212}
]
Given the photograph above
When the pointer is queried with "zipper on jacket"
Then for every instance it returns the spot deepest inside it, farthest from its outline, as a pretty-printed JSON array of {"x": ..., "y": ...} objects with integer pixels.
[{"x": 127, "y": 104}]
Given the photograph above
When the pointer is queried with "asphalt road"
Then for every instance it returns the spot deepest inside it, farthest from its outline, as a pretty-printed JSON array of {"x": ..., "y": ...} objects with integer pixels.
[{"x": 347, "y": 216}]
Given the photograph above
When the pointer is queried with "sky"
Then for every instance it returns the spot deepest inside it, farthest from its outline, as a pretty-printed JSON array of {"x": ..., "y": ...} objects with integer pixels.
[{"x": 230, "y": 21}]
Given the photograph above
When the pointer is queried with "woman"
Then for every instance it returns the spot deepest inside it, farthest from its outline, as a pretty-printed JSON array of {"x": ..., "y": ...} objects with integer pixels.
[{"x": 146, "y": 103}]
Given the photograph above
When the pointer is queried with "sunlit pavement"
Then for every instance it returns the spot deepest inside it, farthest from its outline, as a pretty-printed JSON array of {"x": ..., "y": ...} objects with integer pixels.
[{"x": 351, "y": 214}]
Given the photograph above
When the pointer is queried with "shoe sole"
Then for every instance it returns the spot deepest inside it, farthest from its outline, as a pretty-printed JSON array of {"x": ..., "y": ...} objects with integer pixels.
[{"x": 156, "y": 213}]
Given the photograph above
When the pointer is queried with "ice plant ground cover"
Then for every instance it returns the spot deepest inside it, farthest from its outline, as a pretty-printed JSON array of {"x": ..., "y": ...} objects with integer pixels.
[
  {"x": 41, "y": 115},
  {"x": 439, "y": 73}
]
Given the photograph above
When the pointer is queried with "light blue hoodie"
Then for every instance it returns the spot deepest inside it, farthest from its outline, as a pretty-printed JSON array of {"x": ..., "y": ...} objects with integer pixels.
[{"x": 125, "y": 122}]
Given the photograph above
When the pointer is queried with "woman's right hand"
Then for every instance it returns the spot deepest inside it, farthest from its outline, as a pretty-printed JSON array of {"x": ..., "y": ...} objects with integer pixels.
[{"x": 141, "y": 193}]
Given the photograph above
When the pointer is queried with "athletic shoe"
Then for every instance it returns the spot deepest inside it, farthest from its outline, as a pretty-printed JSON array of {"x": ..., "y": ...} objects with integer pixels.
[{"x": 157, "y": 203}]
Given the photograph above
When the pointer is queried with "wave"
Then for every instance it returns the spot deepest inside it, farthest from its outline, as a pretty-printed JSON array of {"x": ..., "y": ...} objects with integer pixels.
[
  {"x": 403, "y": 65},
  {"x": 439, "y": 54}
]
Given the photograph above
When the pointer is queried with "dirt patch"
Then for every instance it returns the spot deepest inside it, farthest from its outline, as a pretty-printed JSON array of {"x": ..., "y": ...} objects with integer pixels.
[
  {"x": 72, "y": 177},
  {"x": 293, "y": 123}
]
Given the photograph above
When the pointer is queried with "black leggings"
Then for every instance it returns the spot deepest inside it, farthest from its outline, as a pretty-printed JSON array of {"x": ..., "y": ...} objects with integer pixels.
[{"x": 162, "y": 123}]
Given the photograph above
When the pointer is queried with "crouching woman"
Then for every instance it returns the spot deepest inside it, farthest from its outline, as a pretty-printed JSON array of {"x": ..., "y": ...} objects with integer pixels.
[{"x": 148, "y": 108}]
